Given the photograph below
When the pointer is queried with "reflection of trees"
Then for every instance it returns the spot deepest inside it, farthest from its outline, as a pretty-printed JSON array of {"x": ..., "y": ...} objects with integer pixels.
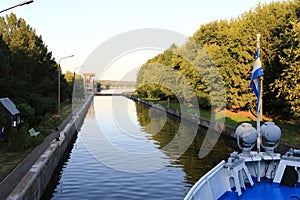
[
  {"x": 179, "y": 135},
  {"x": 165, "y": 135},
  {"x": 142, "y": 115},
  {"x": 196, "y": 167}
]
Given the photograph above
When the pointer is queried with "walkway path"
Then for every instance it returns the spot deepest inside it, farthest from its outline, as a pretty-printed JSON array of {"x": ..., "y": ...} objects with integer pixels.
[{"x": 12, "y": 180}]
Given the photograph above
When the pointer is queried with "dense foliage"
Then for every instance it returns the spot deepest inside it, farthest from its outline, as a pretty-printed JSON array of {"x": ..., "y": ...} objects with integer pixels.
[
  {"x": 231, "y": 47},
  {"x": 28, "y": 73}
]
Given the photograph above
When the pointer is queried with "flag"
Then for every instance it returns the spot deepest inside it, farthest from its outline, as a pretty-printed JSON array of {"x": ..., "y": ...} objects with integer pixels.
[{"x": 255, "y": 80}]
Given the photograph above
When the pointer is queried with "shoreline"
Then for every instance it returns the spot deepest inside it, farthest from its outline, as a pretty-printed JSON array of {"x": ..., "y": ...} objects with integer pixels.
[
  {"x": 32, "y": 176},
  {"x": 226, "y": 130}
]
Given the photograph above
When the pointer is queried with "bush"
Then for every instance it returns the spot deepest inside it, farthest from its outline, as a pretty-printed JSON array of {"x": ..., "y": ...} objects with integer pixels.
[
  {"x": 26, "y": 113},
  {"x": 20, "y": 140},
  {"x": 204, "y": 101}
]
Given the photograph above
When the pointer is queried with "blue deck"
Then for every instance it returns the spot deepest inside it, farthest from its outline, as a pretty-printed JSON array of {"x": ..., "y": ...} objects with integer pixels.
[{"x": 265, "y": 190}]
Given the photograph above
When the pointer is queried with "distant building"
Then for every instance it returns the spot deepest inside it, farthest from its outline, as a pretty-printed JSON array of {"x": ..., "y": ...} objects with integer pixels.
[
  {"x": 9, "y": 114},
  {"x": 89, "y": 82}
]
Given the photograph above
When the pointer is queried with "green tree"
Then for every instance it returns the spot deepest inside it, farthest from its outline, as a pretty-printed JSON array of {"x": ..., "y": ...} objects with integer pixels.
[
  {"x": 29, "y": 71},
  {"x": 228, "y": 48},
  {"x": 69, "y": 76},
  {"x": 4, "y": 66},
  {"x": 287, "y": 86}
]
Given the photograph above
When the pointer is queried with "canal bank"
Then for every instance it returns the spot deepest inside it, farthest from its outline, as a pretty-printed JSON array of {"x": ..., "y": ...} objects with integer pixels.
[
  {"x": 215, "y": 126},
  {"x": 31, "y": 177},
  {"x": 132, "y": 150},
  {"x": 226, "y": 130}
]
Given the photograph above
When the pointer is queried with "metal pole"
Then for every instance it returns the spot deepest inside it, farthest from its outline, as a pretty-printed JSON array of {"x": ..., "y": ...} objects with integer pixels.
[
  {"x": 259, "y": 138},
  {"x": 261, "y": 98},
  {"x": 20, "y": 4},
  {"x": 58, "y": 90},
  {"x": 258, "y": 110}
]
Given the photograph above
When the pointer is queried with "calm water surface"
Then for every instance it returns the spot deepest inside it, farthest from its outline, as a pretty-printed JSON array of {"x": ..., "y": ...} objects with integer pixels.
[{"x": 121, "y": 153}]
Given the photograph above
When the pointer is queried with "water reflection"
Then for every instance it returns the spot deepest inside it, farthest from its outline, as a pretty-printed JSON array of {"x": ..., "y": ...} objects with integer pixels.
[
  {"x": 192, "y": 165},
  {"x": 123, "y": 151},
  {"x": 117, "y": 141}
]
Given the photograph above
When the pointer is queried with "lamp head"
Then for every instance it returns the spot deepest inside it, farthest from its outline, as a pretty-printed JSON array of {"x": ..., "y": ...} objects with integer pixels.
[
  {"x": 246, "y": 137},
  {"x": 270, "y": 137}
]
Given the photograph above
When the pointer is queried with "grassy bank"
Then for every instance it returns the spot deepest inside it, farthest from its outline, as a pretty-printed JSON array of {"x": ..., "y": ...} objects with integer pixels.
[
  {"x": 290, "y": 129},
  {"x": 18, "y": 145}
]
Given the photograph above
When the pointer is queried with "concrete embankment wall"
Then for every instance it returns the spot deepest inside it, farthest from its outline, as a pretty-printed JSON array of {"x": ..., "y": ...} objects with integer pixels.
[
  {"x": 226, "y": 130},
  {"x": 35, "y": 181},
  {"x": 214, "y": 126}
]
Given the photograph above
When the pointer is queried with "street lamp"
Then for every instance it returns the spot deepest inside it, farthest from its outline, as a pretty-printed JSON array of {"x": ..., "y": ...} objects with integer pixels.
[
  {"x": 20, "y": 4},
  {"x": 59, "y": 69}
]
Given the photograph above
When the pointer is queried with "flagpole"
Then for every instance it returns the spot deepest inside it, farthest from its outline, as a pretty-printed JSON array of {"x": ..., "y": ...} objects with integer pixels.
[
  {"x": 261, "y": 85},
  {"x": 259, "y": 138},
  {"x": 259, "y": 108},
  {"x": 261, "y": 98}
]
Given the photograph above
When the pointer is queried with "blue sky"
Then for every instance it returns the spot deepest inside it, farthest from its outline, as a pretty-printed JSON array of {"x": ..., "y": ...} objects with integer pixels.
[{"x": 78, "y": 27}]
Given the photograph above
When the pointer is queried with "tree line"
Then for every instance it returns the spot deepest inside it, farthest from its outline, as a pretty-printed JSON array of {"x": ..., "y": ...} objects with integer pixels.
[
  {"x": 28, "y": 72},
  {"x": 217, "y": 62}
]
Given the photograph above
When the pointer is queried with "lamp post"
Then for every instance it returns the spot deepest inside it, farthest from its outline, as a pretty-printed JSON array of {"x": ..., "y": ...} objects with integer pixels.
[
  {"x": 20, "y": 4},
  {"x": 58, "y": 91}
]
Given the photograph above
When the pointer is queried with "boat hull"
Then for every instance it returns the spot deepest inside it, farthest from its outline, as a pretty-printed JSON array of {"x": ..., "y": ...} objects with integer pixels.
[{"x": 234, "y": 179}]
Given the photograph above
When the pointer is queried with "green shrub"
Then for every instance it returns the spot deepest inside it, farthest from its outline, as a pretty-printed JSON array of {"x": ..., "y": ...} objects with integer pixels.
[
  {"x": 20, "y": 140},
  {"x": 26, "y": 113}
]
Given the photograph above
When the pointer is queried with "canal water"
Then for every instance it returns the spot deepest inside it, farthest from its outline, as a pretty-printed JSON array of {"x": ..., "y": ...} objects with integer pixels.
[{"x": 125, "y": 150}]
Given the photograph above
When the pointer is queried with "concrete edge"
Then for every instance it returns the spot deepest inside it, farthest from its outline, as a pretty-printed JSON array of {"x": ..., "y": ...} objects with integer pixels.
[
  {"x": 214, "y": 126},
  {"x": 228, "y": 131},
  {"x": 35, "y": 181}
]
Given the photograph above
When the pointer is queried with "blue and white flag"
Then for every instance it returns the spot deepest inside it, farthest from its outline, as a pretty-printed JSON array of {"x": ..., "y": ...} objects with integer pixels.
[{"x": 255, "y": 80}]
